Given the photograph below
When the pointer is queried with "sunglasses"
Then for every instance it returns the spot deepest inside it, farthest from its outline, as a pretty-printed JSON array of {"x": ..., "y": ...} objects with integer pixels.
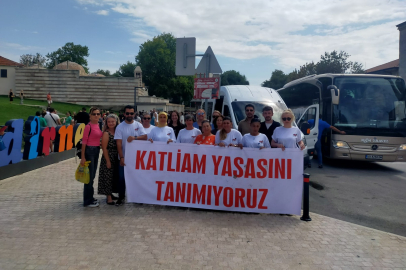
[
  {"x": 147, "y": 118},
  {"x": 200, "y": 113},
  {"x": 249, "y": 110},
  {"x": 129, "y": 113},
  {"x": 286, "y": 118},
  {"x": 96, "y": 113}
]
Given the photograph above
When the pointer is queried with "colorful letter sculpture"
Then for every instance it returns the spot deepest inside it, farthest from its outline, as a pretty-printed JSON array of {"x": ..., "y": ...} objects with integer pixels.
[{"x": 37, "y": 140}]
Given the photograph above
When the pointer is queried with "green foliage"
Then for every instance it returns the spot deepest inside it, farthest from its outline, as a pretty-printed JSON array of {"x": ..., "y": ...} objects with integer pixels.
[
  {"x": 103, "y": 72},
  {"x": 31, "y": 59},
  {"x": 232, "y": 77},
  {"x": 334, "y": 62},
  {"x": 125, "y": 70},
  {"x": 277, "y": 80},
  {"x": 69, "y": 52},
  {"x": 16, "y": 111},
  {"x": 357, "y": 68},
  {"x": 156, "y": 58}
]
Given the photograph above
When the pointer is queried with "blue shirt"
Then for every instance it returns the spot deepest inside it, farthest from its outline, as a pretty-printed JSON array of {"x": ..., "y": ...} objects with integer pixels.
[{"x": 322, "y": 126}]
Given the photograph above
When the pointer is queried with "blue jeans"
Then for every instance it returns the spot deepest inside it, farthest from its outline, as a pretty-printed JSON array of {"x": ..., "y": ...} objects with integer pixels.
[
  {"x": 92, "y": 155},
  {"x": 121, "y": 183},
  {"x": 319, "y": 154}
]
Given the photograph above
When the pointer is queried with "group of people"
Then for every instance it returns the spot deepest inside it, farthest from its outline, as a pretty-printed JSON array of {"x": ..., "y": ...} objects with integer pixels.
[
  {"x": 12, "y": 96},
  {"x": 114, "y": 136}
]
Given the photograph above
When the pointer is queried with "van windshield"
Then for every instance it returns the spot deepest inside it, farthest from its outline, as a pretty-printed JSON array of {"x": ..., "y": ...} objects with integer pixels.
[{"x": 239, "y": 110}]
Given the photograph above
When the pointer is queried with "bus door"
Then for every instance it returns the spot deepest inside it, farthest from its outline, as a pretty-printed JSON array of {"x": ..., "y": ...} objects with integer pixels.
[{"x": 311, "y": 116}]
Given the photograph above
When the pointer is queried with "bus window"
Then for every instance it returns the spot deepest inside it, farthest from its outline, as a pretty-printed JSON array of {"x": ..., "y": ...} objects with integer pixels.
[
  {"x": 326, "y": 81},
  {"x": 301, "y": 96}
]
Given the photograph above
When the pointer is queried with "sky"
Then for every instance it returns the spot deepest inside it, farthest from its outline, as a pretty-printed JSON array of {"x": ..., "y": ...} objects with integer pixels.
[{"x": 252, "y": 37}]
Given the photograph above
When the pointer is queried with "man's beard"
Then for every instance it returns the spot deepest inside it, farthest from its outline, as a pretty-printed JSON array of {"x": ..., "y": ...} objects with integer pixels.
[
  {"x": 129, "y": 119},
  {"x": 268, "y": 118}
]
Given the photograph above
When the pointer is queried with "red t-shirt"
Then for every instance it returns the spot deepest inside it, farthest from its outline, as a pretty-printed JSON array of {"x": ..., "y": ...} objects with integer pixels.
[{"x": 208, "y": 140}]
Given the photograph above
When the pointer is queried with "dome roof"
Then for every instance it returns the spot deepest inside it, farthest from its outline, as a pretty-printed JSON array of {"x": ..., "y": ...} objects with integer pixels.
[
  {"x": 68, "y": 65},
  {"x": 138, "y": 68}
]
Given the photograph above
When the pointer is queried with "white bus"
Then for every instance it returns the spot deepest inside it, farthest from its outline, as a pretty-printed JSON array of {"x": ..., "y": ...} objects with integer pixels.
[{"x": 369, "y": 108}]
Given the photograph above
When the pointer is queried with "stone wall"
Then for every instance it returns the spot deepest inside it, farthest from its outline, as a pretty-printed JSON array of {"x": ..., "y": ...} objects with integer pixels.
[{"x": 68, "y": 86}]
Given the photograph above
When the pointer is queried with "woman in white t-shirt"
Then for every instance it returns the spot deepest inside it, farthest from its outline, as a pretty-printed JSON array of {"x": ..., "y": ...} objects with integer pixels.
[
  {"x": 254, "y": 139},
  {"x": 188, "y": 134},
  {"x": 146, "y": 122},
  {"x": 228, "y": 136},
  {"x": 161, "y": 132},
  {"x": 287, "y": 136}
]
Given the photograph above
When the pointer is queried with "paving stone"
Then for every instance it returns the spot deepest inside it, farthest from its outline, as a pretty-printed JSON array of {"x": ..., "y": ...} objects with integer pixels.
[{"x": 43, "y": 225}]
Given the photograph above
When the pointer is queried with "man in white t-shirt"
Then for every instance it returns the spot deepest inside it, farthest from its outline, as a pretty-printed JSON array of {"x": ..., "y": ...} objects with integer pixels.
[
  {"x": 127, "y": 131},
  {"x": 52, "y": 118}
]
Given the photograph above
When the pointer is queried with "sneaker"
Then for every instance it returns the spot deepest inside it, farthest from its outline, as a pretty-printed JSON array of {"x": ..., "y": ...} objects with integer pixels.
[
  {"x": 119, "y": 202},
  {"x": 94, "y": 204},
  {"x": 95, "y": 200}
]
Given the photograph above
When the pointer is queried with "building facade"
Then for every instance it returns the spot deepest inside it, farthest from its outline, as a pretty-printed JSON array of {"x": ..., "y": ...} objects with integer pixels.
[{"x": 7, "y": 75}]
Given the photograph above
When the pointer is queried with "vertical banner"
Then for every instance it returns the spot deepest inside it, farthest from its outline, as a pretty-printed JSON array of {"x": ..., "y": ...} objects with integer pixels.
[{"x": 211, "y": 177}]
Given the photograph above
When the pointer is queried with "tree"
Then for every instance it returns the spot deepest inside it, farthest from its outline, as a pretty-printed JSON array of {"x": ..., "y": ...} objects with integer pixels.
[
  {"x": 232, "y": 77},
  {"x": 69, "y": 52},
  {"x": 334, "y": 62},
  {"x": 156, "y": 58},
  {"x": 277, "y": 80},
  {"x": 31, "y": 59},
  {"x": 357, "y": 68},
  {"x": 103, "y": 72},
  {"x": 126, "y": 70}
]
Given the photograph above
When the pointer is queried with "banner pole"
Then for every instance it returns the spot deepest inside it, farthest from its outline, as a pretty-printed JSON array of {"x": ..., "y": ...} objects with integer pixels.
[{"x": 306, "y": 183}]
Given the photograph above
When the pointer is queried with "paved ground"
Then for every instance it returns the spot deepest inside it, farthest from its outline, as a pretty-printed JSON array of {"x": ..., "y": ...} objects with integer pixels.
[
  {"x": 44, "y": 226},
  {"x": 368, "y": 194}
]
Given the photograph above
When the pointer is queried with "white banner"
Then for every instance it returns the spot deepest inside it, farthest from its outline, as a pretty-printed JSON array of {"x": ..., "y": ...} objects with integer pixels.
[{"x": 202, "y": 176}]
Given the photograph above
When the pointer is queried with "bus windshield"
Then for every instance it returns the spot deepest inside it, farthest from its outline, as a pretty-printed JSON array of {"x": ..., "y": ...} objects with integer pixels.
[
  {"x": 239, "y": 110},
  {"x": 370, "y": 106}
]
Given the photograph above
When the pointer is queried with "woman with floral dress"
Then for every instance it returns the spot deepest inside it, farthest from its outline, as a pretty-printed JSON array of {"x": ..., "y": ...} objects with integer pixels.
[{"x": 108, "y": 175}]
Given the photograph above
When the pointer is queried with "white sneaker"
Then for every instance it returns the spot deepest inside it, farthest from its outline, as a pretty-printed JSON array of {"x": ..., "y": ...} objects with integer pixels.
[{"x": 94, "y": 204}]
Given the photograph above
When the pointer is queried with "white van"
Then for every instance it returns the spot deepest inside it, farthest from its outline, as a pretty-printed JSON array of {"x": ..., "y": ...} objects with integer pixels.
[{"x": 233, "y": 99}]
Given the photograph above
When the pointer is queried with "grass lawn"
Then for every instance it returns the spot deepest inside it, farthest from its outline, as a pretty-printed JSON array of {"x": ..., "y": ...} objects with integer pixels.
[{"x": 16, "y": 111}]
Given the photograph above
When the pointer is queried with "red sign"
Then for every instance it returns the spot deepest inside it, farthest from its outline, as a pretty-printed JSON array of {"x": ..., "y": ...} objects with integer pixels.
[{"x": 206, "y": 88}]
